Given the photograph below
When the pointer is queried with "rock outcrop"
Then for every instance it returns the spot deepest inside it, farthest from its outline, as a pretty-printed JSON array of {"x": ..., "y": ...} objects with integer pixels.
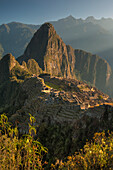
[
  {"x": 48, "y": 49},
  {"x": 11, "y": 69},
  {"x": 33, "y": 67},
  {"x": 6, "y": 65}
]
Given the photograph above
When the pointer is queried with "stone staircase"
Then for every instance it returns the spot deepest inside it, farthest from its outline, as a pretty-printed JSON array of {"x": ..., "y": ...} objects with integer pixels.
[
  {"x": 63, "y": 112},
  {"x": 69, "y": 112}
]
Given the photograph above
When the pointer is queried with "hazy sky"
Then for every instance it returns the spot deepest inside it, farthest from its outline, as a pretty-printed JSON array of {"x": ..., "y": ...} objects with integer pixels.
[{"x": 40, "y": 11}]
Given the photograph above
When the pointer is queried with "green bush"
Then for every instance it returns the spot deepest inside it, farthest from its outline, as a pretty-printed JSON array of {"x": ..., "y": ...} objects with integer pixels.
[
  {"x": 26, "y": 153},
  {"x": 95, "y": 155},
  {"x": 54, "y": 86},
  {"x": 20, "y": 73},
  {"x": 100, "y": 97},
  {"x": 19, "y": 153}
]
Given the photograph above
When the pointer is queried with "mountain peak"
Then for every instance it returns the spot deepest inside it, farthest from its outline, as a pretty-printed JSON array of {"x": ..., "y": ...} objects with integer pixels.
[
  {"x": 47, "y": 24},
  {"x": 90, "y": 19},
  {"x": 70, "y": 17},
  {"x": 55, "y": 58},
  {"x": 6, "y": 65},
  {"x": 41, "y": 41},
  {"x": 9, "y": 59},
  {"x": 47, "y": 28},
  {"x": 9, "y": 55}
]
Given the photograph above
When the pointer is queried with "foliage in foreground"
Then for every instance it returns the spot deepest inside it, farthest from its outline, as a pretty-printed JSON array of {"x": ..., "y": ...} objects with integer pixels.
[
  {"x": 97, "y": 154},
  {"x": 26, "y": 153},
  {"x": 19, "y": 153}
]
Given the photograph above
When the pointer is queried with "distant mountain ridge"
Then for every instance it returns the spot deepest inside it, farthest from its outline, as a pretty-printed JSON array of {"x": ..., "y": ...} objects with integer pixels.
[
  {"x": 14, "y": 37},
  {"x": 92, "y": 35}
]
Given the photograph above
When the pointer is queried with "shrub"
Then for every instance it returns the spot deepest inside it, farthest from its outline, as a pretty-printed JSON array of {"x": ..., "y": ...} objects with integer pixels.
[
  {"x": 19, "y": 153},
  {"x": 95, "y": 155},
  {"x": 100, "y": 97}
]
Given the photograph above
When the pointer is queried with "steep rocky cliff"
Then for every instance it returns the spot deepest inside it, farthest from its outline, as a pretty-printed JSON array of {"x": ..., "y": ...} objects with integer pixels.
[
  {"x": 12, "y": 74},
  {"x": 6, "y": 65},
  {"x": 11, "y": 69},
  {"x": 33, "y": 67},
  {"x": 54, "y": 57},
  {"x": 1, "y": 51},
  {"x": 93, "y": 69},
  {"x": 48, "y": 49}
]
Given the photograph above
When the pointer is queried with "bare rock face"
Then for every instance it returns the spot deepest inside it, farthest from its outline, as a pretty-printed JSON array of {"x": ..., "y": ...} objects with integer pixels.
[
  {"x": 33, "y": 67},
  {"x": 57, "y": 59},
  {"x": 6, "y": 65},
  {"x": 48, "y": 49},
  {"x": 10, "y": 69},
  {"x": 92, "y": 69}
]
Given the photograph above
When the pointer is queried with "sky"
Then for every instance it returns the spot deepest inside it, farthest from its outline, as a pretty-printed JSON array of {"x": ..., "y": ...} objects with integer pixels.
[{"x": 40, "y": 11}]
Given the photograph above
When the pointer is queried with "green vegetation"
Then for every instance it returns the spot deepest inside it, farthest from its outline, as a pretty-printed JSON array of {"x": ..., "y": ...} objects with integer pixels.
[
  {"x": 54, "y": 86},
  {"x": 100, "y": 97},
  {"x": 19, "y": 153},
  {"x": 97, "y": 154},
  {"x": 33, "y": 67},
  {"x": 20, "y": 73},
  {"x": 25, "y": 152},
  {"x": 57, "y": 139}
]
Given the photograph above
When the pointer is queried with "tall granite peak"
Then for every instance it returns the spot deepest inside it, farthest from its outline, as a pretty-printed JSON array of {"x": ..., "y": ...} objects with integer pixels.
[
  {"x": 37, "y": 47},
  {"x": 47, "y": 25},
  {"x": 49, "y": 50},
  {"x": 57, "y": 59}
]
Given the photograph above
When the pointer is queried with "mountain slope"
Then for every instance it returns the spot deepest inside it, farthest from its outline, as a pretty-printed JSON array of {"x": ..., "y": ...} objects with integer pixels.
[
  {"x": 57, "y": 59},
  {"x": 21, "y": 92},
  {"x": 67, "y": 111},
  {"x": 48, "y": 49},
  {"x": 1, "y": 51},
  {"x": 12, "y": 75},
  {"x": 84, "y": 34},
  {"x": 14, "y": 37}
]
